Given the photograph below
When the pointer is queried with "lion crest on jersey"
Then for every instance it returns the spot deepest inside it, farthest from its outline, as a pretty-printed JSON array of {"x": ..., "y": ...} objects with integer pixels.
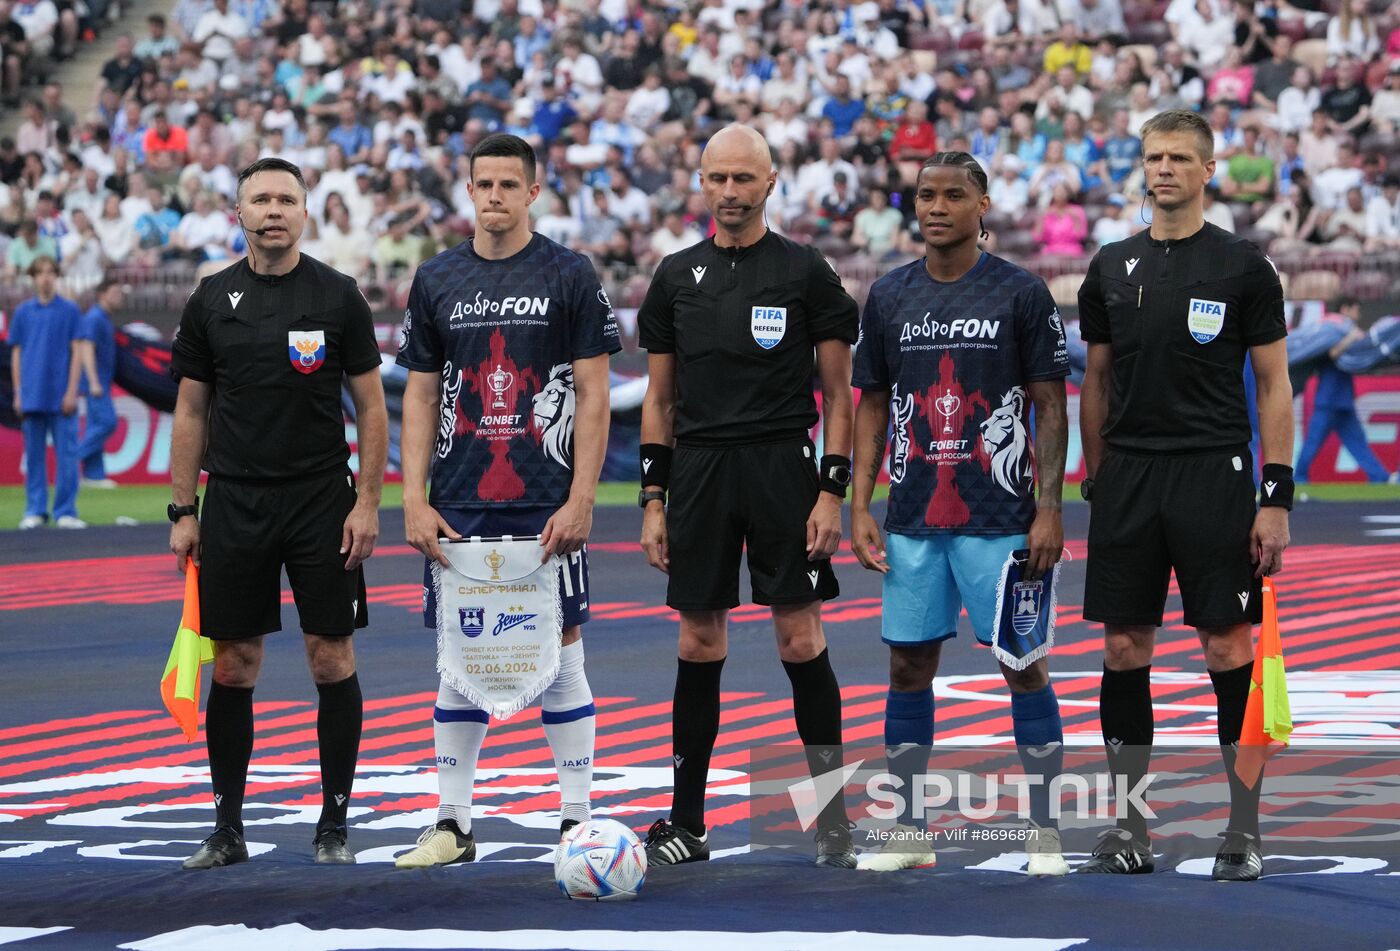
[
  {"x": 901, "y": 412},
  {"x": 1005, "y": 441},
  {"x": 447, "y": 408},
  {"x": 554, "y": 415}
]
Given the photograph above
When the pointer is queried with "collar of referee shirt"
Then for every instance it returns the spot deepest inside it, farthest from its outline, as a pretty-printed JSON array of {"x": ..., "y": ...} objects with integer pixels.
[
  {"x": 737, "y": 251},
  {"x": 1177, "y": 242}
]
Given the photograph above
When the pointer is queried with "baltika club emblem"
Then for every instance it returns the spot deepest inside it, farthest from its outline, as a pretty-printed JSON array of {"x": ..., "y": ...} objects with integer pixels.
[{"x": 307, "y": 349}]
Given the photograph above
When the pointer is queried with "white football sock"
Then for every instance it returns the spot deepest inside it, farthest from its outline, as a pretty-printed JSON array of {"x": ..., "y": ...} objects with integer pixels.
[
  {"x": 570, "y": 723},
  {"x": 459, "y": 729}
]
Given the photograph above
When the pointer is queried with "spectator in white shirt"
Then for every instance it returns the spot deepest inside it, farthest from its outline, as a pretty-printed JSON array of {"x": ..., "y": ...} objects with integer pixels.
[
  {"x": 579, "y": 74},
  {"x": 1298, "y": 102},
  {"x": 1010, "y": 192},
  {"x": 1331, "y": 185},
  {"x": 817, "y": 180},
  {"x": 217, "y": 30},
  {"x": 1352, "y": 33},
  {"x": 649, "y": 101},
  {"x": 787, "y": 82},
  {"x": 673, "y": 235},
  {"x": 786, "y": 126},
  {"x": 1113, "y": 225},
  {"x": 1383, "y": 214},
  {"x": 1068, "y": 92},
  {"x": 203, "y": 230},
  {"x": 115, "y": 233},
  {"x": 1217, "y": 212},
  {"x": 1209, "y": 34}
]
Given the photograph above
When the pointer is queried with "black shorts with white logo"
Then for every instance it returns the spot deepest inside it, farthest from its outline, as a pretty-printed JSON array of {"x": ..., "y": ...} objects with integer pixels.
[
  {"x": 759, "y": 497},
  {"x": 249, "y": 531},
  {"x": 1153, "y": 514}
]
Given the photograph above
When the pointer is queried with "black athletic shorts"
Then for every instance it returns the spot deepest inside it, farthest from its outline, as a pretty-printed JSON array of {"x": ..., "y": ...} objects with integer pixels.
[
  {"x": 1155, "y": 514},
  {"x": 721, "y": 500},
  {"x": 249, "y": 531}
]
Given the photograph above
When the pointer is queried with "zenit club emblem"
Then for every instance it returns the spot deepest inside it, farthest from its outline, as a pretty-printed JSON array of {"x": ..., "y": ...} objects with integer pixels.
[
  {"x": 1204, "y": 319},
  {"x": 307, "y": 349},
  {"x": 768, "y": 324}
]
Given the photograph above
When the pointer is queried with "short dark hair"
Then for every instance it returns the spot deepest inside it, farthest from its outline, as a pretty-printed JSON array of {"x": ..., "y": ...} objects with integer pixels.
[
  {"x": 1182, "y": 120},
  {"x": 505, "y": 145},
  {"x": 270, "y": 164},
  {"x": 961, "y": 160},
  {"x": 1344, "y": 301},
  {"x": 41, "y": 262},
  {"x": 106, "y": 285}
]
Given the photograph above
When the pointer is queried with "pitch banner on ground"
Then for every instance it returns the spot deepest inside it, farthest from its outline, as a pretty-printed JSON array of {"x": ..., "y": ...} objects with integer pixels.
[
  {"x": 179, "y": 685},
  {"x": 500, "y": 619}
]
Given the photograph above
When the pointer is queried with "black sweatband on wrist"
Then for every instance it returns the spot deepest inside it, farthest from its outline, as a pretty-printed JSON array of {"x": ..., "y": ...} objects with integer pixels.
[
  {"x": 835, "y": 474},
  {"x": 656, "y": 464},
  {"x": 1276, "y": 486}
]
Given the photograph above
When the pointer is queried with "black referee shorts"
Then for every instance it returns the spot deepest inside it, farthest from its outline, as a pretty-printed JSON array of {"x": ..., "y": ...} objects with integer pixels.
[
  {"x": 249, "y": 531},
  {"x": 724, "y": 499},
  {"x": 1155, "y": 514}
]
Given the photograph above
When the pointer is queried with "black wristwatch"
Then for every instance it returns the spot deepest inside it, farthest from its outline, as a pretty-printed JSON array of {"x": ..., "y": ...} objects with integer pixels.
[
  {"x": 1086, "y": 489},
  {"x": 651, "y": 495},
  {"x": 176, "y": 512}
]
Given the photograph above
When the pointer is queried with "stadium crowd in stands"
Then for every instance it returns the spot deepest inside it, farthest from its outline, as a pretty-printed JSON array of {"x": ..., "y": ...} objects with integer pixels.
[{"x": 380, "y": 101}]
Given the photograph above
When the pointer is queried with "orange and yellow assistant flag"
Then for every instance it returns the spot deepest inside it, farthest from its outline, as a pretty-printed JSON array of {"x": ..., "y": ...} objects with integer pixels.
[
  {"x": 1268, "y": 720},
  {"x": 179, "y": 685}
]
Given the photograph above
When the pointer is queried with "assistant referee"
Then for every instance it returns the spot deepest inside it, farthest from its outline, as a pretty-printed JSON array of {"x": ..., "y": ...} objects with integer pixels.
[
  {"x": 731, "y": 326},
  {"x": 261, "y": 353},
  {"x": 1169, "y": 316}
]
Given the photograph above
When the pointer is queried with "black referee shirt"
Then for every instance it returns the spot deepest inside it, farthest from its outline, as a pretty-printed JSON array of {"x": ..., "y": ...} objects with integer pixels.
[
  {"x": 742, "y": 323},
  {"x": 275, "y": 349},
  {"x": 1181, "y": 316}
]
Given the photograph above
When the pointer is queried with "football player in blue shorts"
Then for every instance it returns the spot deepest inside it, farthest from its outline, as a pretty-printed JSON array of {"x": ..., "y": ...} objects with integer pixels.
[
  {"x": 955, "y": 350},
  {"x": 506, "y": 340}
]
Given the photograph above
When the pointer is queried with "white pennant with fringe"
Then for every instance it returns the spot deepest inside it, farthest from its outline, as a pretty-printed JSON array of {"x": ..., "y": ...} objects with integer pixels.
[
  {"x": 1003, "y": 651},
  {"x": 500, "y": 619}
]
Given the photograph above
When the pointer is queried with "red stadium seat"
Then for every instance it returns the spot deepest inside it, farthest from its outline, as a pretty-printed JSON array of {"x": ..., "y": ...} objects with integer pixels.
[
  {"x": 971, "y": 40},
  {"x": 1367, "y": 285}
]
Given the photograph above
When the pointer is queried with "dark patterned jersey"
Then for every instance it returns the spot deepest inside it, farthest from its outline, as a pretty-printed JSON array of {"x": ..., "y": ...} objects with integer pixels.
[
  {"x": 956, "y": 359},
  {"x": 1180, "y": 316},
  {"x": 275, "y": 349},
  {"x": 503, "y": 336},
  {"x": 743, "y": 324}
]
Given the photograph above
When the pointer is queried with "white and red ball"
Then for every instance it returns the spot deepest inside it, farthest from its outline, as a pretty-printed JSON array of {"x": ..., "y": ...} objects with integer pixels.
[{"x": 602, "y": 860}]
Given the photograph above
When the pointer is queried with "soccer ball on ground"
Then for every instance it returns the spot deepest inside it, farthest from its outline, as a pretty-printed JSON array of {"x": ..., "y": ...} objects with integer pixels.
[{"x": 601, "y": 860}]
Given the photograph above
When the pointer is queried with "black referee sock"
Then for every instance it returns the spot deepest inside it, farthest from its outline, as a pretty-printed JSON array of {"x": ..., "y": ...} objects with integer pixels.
[
  {"x": 816, "y": 706},
  {"x": 338, "y": 724},
  {"x": 1125, "y": 713},
  {"x": 1231, "y": 696},
  {"x": 694, "y": 728},
  {"x": 228, "y": 732}
]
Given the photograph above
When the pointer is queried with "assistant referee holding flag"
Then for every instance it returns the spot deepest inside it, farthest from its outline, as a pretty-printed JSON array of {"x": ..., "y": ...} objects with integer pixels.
[
  {"x": 1169, "y": 316},
  {"x": 731, "y": 326},
  {"x": 261, "y": 353}
]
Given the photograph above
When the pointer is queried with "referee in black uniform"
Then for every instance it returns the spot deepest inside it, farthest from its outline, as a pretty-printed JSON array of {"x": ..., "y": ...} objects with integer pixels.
[
  {"x": 731, "y": 326},
  {"x": 261, "y": 353},
  {"x": 1168, "y": 316}
]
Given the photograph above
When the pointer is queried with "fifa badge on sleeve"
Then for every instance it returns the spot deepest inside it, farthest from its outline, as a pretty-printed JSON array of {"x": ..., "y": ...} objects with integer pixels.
[{"x": 1025, "y": 613}]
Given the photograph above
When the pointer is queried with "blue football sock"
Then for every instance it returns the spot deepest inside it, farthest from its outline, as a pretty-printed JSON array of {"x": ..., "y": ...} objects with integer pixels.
[
  {"x": 908, "y": 737},
  {"x": 1035, "y": 721}
]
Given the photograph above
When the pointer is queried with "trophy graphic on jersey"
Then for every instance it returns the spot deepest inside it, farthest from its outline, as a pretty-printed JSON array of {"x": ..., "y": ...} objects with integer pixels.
[
  {"x": 499, "y": 381},
  {"x": 947, "y": 405}
]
